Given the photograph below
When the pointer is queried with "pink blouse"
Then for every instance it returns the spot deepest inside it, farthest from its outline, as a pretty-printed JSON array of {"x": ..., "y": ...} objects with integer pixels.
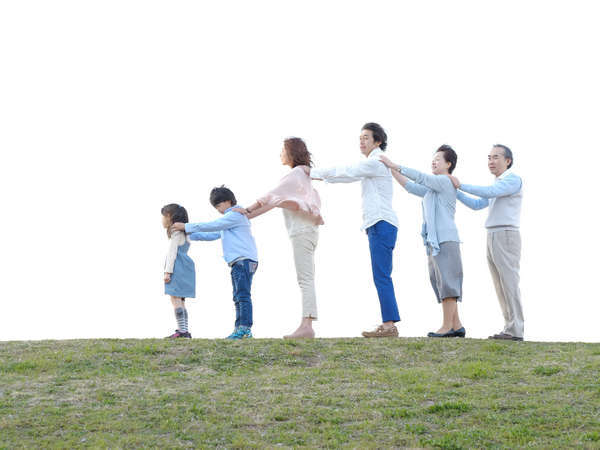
[{"x": 295, "y": 192}]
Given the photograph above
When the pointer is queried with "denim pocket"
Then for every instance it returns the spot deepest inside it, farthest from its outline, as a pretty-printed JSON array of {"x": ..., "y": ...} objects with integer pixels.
[{"x": 252, "y": 266}]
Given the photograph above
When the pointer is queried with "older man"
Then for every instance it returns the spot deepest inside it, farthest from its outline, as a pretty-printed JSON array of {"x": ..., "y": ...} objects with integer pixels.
[{"x": 503, "y": 235}]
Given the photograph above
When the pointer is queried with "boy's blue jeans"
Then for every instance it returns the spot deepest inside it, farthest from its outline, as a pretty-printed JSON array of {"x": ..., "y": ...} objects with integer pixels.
[
  {"x": 242, "y": 273},
  {"x": 382, "y": 239}
]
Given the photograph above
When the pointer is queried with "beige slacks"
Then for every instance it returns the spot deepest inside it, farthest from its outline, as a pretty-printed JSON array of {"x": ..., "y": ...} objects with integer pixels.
[
  {"x": 304, "y": 246},
  {"x": 504, "y": 256}
]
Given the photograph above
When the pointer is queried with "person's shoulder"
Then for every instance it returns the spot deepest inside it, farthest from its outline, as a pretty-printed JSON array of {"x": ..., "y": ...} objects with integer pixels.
[
  {"x": 445, "y": 179},
  {"x": 513, "y": 177},
  {"x": 236, "y": 216},
  {"x": 178, "y": 236}
]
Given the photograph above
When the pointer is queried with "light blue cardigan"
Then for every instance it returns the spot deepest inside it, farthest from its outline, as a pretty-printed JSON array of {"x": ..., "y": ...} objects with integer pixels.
[{"x": 439, "y": 206}]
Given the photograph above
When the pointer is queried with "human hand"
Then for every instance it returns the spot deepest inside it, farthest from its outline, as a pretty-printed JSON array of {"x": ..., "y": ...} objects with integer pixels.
[
  {"x": 386, "y": 161},
  {"x": 167, "y": 277},
  {"x": 455, "y": 181},
  {"x": 306, "y": 170},
  {"x": 178, "y": 226},
  {"x": 241, "y": 211}
]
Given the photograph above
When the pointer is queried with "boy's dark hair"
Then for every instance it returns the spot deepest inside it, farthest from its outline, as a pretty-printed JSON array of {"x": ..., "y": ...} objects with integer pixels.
[
  {"x": 449, "y": 156},
  {"x": 378, "y": 133},
  {"x": 176, "y": 213},
  {"x": 507, "y": 153},
  {"x": 222, "y": 194},
  {"x": 297, "y": 152}
]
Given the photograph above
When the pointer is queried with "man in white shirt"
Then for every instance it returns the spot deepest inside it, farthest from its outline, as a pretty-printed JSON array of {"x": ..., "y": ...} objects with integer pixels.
[
  {"x": 503, "y": 235},
  {"x": 379, "y": 219}
]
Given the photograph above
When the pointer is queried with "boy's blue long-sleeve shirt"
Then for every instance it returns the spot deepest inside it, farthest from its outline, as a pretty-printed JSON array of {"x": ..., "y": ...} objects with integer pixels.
[{"x": 234, "y": 231}]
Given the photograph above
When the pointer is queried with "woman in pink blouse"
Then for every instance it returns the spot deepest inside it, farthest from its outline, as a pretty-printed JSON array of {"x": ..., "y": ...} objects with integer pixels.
[{"x": 301, "y": 205}]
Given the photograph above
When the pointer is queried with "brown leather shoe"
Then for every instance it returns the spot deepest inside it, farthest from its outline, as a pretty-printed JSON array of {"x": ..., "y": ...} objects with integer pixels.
[
  {"x": 380, "y": 332},
  {"x": 505, "y": 337}
]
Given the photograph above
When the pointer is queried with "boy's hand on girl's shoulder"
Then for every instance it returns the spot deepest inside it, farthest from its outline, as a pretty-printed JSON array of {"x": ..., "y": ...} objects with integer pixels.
[
  {"x": 167, "y": 277},
  {"x": 178, "y": 226},
  {"x": 454, "y": 180}
]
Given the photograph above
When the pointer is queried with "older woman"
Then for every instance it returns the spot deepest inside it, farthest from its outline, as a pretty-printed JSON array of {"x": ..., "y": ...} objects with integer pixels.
[
  {"x": 301, "y": 210},
  {"x": 439, "y": 232}
]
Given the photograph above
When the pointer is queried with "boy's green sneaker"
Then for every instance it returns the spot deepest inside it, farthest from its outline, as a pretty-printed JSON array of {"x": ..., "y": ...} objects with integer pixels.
[{"x": 240, "y": 332}]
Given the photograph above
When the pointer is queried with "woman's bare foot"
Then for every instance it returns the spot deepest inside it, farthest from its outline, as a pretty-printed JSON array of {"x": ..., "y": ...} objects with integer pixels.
[
  {"x": 301, "y": 332},
  {"x": 305, "y": 330},
  {"x": 444, "y": 329}
]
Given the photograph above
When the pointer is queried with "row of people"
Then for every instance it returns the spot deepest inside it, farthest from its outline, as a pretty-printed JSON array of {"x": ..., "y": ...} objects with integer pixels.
[{"x": 301, "y": 204}]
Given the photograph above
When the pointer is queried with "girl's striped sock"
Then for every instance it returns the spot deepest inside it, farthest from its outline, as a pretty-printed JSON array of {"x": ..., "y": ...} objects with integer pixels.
[
  {"x": 185, "y": 319},
  {"x": 181, "y": 317}
]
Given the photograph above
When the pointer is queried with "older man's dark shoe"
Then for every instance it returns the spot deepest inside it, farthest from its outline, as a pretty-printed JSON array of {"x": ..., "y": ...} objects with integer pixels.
[{"x": 505, "y": 337}]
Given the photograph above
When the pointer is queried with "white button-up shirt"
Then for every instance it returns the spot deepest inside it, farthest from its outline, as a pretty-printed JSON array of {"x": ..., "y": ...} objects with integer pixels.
[{"x": 376, "y": 183}]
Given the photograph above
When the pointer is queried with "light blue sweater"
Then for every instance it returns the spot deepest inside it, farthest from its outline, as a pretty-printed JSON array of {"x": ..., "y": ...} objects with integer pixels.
[
  {"x": 439, "y": 206},
  {"x": 234, "y": 231},
  {"x": 504, "y": 198}
]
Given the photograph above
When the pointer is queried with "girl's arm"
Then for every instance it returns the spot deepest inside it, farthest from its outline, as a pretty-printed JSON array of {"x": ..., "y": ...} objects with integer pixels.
[{"x": 175, "y": 241}]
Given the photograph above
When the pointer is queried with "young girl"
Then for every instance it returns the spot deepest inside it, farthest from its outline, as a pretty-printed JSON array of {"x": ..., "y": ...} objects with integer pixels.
[{"x": 180, "y": 272}]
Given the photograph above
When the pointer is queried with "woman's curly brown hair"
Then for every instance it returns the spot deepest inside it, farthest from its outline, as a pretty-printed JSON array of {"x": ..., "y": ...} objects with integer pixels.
[{"x": 297, "y": 152}]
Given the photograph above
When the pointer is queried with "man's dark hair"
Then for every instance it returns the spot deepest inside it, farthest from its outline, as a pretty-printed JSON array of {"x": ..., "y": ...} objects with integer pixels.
[
  {"x": 507, "y": 153},
  {"x": 378, "y": 133},
  {"x": 222, "y": 194},
  {"x": 449, "y": 156}
]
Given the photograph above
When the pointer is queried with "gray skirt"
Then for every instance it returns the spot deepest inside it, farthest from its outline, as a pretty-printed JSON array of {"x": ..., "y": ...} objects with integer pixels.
[{"x": 445, "y": 271}]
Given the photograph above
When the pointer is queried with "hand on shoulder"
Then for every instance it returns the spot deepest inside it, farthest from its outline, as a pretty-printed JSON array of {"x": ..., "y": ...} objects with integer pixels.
[
  {"x": 387, "y": 162},
  {"x": 177, "y": 226},
  {"x": 455, "y": 181}
]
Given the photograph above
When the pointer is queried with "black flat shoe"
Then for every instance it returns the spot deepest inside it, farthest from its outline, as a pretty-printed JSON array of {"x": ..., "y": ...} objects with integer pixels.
[
  {"x": 442, "y": 335},
  {"x": 461, "y": 332}
]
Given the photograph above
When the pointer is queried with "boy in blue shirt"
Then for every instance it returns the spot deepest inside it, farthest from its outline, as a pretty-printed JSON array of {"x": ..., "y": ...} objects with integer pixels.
[{"x": 239, "y": 252}]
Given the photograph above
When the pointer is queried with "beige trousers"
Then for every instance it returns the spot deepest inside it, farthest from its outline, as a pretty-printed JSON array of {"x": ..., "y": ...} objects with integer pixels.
[
  {"x": 304, "y": 246},
  {"x": 504, "y": 256}
]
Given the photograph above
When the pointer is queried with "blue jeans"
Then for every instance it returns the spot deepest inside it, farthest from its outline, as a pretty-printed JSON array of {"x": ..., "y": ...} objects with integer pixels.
[
  {"x": 382, "y": 239},
  {"x": 242, "y": 273}
]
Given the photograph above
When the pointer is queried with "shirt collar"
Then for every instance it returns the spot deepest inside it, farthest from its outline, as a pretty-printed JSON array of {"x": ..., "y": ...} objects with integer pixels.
[
  {"x": 234, "y": 206},
  {"x": 375, "y": 152},
  {"x": 506, "y": 173}
]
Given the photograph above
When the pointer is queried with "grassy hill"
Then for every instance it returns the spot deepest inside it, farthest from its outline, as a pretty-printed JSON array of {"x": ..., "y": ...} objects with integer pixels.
[{"x": 322, "y": 393}]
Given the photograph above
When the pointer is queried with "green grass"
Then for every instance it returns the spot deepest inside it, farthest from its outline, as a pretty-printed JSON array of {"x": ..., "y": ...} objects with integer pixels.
[{"x": 354, "y": 393}]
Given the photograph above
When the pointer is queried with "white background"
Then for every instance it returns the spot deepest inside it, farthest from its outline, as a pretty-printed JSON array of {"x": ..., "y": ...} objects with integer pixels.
[{"x": 109, "y": 110}]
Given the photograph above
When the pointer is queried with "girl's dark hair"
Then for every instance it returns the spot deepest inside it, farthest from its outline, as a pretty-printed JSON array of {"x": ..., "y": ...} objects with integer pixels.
[
  {"x": 222, "y": 194},
  {"x": 297, "y": 152},
  {"x": 507, "y": 153},
  {"x": 449, "y": 156},
  {"x": 176, "y": 213},
  {"x": 378, "y": 133}
]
